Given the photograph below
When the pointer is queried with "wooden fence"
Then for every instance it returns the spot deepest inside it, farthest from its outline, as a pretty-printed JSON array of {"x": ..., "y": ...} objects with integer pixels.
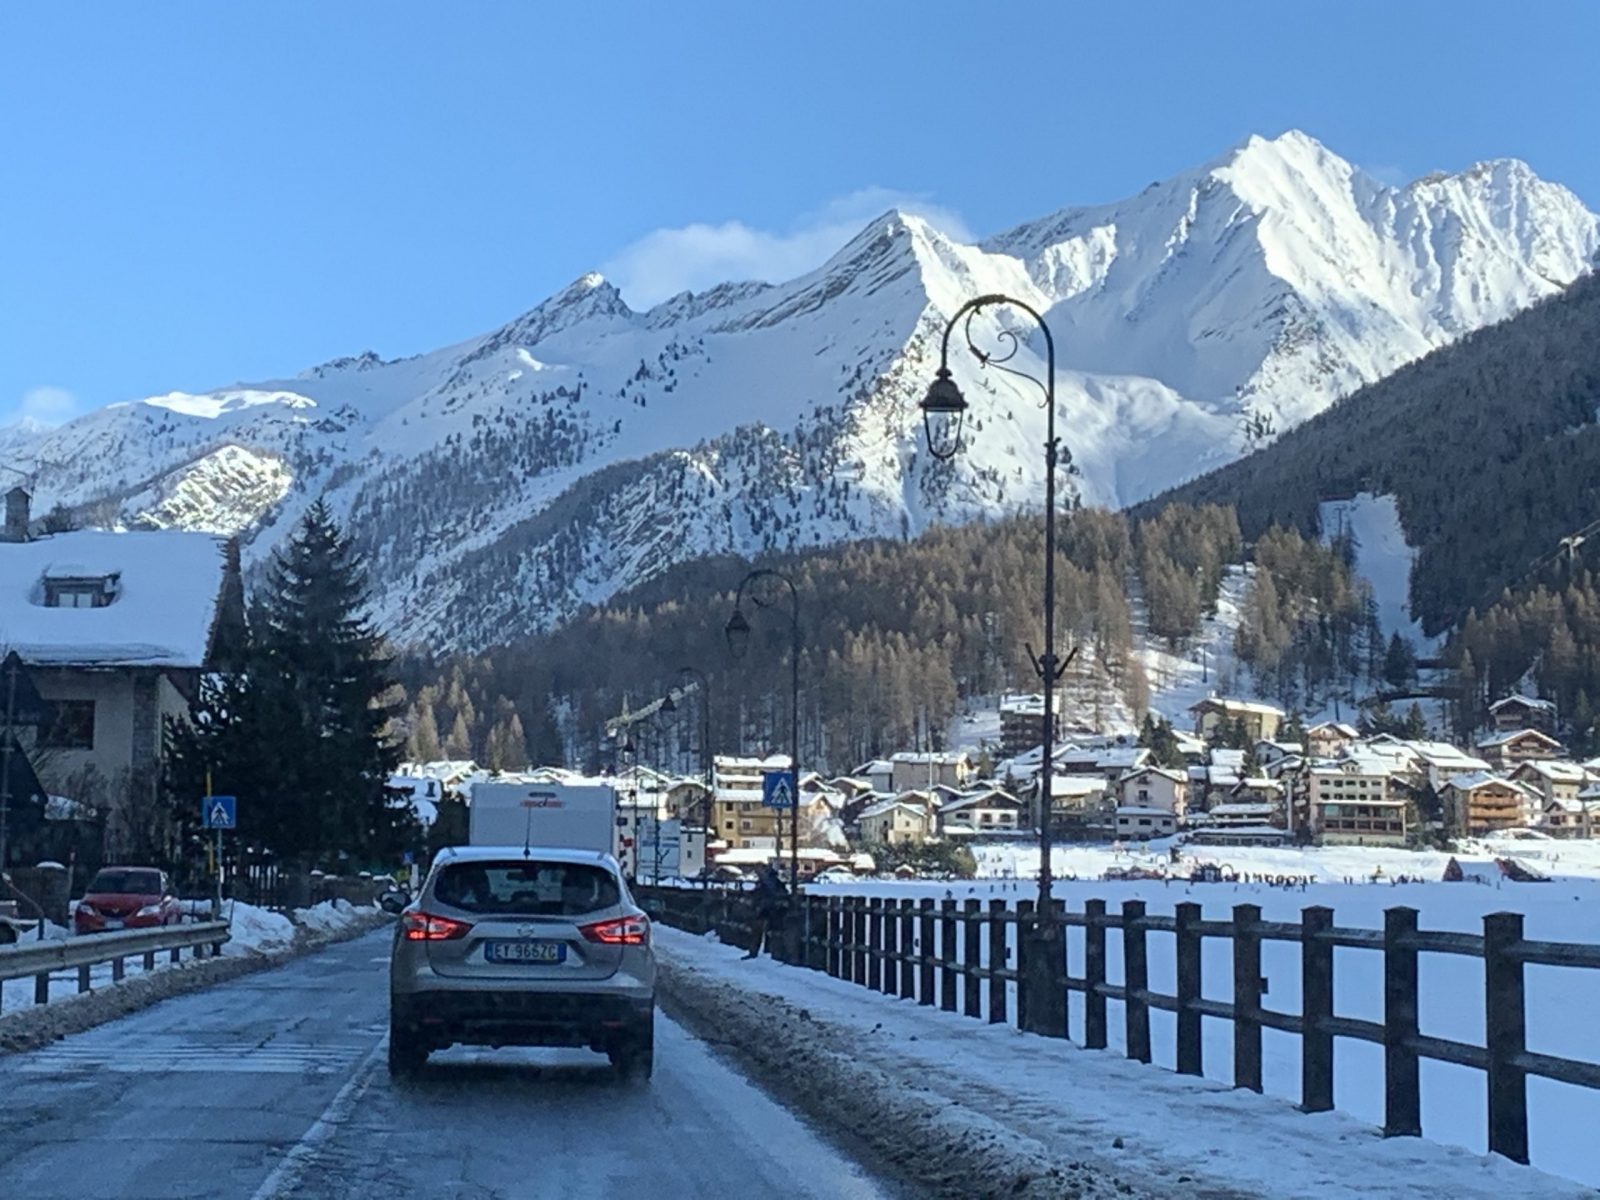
[{"x": 959, "y": 957}]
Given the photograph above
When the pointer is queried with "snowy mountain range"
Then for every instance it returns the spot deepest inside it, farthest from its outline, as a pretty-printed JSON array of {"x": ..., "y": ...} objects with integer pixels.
[{"x": 498, "y": 484}]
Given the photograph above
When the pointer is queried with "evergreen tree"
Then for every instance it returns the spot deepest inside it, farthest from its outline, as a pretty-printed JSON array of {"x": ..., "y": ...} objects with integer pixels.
[
  {"x": 301, "y": 732},
  {"x": 1400, "y": 662}
]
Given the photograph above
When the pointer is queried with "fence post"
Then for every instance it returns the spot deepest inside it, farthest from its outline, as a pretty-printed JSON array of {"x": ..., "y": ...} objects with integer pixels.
[
  {"x": 874, "y": 978},
  {"x": 1094, "y": 974},
  {"x": 1135, "y": 980},
  {"x": 971, "y": 950},
  {"x": 1186, "y": 922},
  {"x": 947, "y": 955},
  {"x": 1024, "y": 929},
  {"x": 1505, "y": 1035},
  {"x": 891, "y": 948},
  {"x": 997, "y": 962},
  {"x": 925, "y": 955},
  {"x": 1402, "y": 1088},
  {"x": 834, "y": 906},
  {"x": 1246, "y": 997},
  {"x": 83, "y": 978},
  {"x": 858, "y": 936},
  {"x": 1316, "y": 1007},
  {"x": 41, "y": 988},
  {"x": 908, "y": 950},
  {"x": 817, "y": 958}
]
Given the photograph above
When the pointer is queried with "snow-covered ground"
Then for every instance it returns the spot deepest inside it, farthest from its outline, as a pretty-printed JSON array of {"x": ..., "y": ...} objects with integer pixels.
[
  {"x": 1207, "y": 667},
  {"x": 1452, "y": 988},
  {"x": 1198, "y": 1135},
  {"x": 255, "y": 931},
  {"x": 1383, "y": 557}
]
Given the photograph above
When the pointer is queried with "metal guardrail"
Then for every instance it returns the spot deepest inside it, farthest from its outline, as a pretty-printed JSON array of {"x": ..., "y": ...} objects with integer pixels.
[{"x": 39, "y": 960}]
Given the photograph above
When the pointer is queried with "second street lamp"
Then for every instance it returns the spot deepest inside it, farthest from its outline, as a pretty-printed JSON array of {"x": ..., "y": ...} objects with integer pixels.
[
  {"x": 943, "y": 411},
  {"x": 738, "y": 634}
]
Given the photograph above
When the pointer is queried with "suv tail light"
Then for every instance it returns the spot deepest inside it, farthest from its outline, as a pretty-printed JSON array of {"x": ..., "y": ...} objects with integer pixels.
[
  {"x": 620, "y": 931},
  {"x": 425, "y": 927}
]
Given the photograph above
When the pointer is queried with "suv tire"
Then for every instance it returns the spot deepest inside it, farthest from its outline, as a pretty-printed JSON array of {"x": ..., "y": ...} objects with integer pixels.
[
  {"x": 633, "y": 1054},
  {"x": 407, "y": 1052}
]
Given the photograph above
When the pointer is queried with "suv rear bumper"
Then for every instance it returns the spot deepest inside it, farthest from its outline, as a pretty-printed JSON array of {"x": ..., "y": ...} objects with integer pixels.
[{"x": 519, "y": 1018}]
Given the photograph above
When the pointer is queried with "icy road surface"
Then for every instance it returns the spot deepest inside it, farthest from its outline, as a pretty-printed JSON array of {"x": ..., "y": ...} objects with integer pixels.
[{"x": 274, "y": 1085}]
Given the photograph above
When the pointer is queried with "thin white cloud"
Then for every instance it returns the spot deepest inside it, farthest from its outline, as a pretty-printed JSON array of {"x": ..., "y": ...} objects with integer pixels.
[
  {"x": 47, "y": 405},
  {"x": 692, "y": 257},
  {"x": 1385, "y": 173}
]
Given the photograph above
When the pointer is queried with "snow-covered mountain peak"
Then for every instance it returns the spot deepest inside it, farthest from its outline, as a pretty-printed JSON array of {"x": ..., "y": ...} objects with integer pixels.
[{"x": 582, "y": 447}]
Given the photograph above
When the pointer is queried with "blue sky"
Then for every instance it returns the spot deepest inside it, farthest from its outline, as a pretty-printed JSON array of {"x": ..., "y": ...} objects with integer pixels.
[{"x": 198, "y": 194}]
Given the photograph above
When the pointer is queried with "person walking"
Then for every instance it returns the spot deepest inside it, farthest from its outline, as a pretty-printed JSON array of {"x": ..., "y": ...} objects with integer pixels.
[{"x": 772, "y": 899}]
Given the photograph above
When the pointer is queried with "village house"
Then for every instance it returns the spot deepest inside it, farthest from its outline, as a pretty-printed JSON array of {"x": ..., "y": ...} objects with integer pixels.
[
  {"x": 1552, "y": 779},
  {"x": 1437, "y": 763},
  {"x": 877, "y": 774},
  {"x": 738, "y": 816},
  {"x": 989, "y": 811},
  {"x": 1022, "y": 723},
  {"x": 1484, "y": 803},
  {"x": 1154, "y": 787},
  {"x": 1351, "y": 804},
  {"x": 116, "y": 631},
  {"x": 1523, "y": 712},
  {"x": 923, "y": 769},
  {"x": 895, "y": 822},
  {"x": 1327, "y": 739},
  {"x": 1213, "y": 715},
  {"x": 1577, "y": 817},
  {"x": 1269, "y": 753},
  {"x": 1505, "y": 750}
]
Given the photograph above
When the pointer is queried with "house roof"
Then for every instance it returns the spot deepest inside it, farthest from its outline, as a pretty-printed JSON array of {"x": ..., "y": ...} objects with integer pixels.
[
  {"x": 1338, "y": 727},
  {"x": 884, "y": 807},
  {"x": 1164, "y": 772},
  {"x": 993, "y": 798},
  {"x": 1555, "y": 771},
  {"x": 162, "y": 615},
  {"x": 1521, "y": 701},
  {"x": 1515, "y": 735},
  {"x": 1237, "y": 706},
  {"x": 1076, "y": 785},
  {"x": 1477, "y": 779}
]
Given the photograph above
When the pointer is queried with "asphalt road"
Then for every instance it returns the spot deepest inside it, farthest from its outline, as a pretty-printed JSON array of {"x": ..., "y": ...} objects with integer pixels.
[{"x": 274, "y": 1085}]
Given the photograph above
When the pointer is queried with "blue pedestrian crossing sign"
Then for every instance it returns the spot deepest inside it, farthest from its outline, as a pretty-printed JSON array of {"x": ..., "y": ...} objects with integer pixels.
[
  {"x": 777, "y": 789},
  {"x": 220, "y": 812}
]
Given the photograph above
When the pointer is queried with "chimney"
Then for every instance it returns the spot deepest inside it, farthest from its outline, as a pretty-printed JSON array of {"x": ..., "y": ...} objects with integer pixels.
[{"x": 16, "y": 526}]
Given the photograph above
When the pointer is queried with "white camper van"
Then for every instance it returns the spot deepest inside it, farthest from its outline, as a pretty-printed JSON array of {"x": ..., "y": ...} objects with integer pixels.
[{"x": 563, "y": 816}]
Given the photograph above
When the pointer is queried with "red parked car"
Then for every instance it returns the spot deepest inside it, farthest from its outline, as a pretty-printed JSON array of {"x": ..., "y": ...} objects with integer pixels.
[{"x": 126, "y": 898}]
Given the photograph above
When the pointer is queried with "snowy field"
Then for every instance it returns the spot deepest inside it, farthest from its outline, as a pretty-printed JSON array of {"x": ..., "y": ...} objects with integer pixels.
[
  {"x": 255, "y": 931},
  {"x": 1452, "y": 988}
]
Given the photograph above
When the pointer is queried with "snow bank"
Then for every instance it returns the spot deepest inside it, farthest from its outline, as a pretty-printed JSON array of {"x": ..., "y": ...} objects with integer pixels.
[{"x": 1026, "y": 1104}]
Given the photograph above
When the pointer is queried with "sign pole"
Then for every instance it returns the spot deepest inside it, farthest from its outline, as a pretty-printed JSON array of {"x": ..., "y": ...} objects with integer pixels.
[
  {"x": 216, "y": 874},
  {"x": 5, "y": 760}
]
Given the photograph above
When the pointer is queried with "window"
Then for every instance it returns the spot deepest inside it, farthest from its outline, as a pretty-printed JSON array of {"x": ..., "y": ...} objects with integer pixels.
[
  {"x": 527, "y": 888},
  {"x": 91, "y": 592},
  {"x": 68, "y": 725}
]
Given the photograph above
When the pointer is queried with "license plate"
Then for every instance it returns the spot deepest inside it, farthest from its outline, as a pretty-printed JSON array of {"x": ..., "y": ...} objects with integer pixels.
[
  {"x": 113, "y": 924},
  {"x": 525, "y": 952}
]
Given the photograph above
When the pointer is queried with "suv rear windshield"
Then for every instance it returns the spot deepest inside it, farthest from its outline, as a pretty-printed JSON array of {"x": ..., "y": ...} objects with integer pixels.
[
  {"x": 535, "y": 888},
  {"x": 127, "y": 883}
]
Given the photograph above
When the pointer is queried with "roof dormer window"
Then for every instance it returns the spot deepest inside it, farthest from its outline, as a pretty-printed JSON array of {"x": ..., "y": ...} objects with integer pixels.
[{"x": 68, "y": 588}]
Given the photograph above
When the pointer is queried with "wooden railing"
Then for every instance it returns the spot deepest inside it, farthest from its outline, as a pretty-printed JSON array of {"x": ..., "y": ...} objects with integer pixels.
[{"x": 962, "y": 957}]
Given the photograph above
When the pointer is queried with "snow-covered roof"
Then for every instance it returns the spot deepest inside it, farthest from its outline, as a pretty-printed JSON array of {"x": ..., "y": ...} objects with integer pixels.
[
  {"x": 1515, "y": 735},
  {"x": 1334, "y": 727},
  {"x": 1478, "y": 779},
  {"x": 1133, "y": 810},
  {"x": 1242, "y": 810},
  {"x": 1076, "y": 785},
  {"x": 1164, "y": 772},
  {"x": 163, "y": 609},
  {"x": 1521, "y": 701},
  {"x": 993, "y": 798},
  {"x": 935, "y": 758},
  {"x": 1555, "y": 771},
  {"x": 1227, "y": 758},
  {"x": 878, "y": 766},
  {"x": 884, "y": 807},
  {"x": 1237, "y": 706}
]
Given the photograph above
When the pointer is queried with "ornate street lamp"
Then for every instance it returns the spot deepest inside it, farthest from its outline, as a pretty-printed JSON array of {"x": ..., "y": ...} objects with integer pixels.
[{"x": 942, "y": 412}]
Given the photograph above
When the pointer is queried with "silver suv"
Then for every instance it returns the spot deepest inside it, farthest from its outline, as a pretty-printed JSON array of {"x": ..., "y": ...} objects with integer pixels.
[{"x": 514, "y": 946}]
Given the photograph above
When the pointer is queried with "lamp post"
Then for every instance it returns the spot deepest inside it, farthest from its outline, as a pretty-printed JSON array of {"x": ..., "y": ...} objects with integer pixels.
[
  {"x": 943, "y": 410},
  {"x": 738, "y": 635},
  {"x": 707, "y": 762}
]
